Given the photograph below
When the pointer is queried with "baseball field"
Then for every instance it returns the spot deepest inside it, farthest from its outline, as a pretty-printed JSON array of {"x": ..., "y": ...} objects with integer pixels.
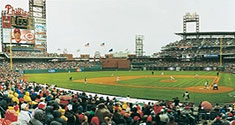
[{"x": 143, "y": 84}]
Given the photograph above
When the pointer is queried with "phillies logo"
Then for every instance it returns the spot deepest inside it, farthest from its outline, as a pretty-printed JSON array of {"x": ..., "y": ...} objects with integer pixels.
[{"x": 16, "y": 11}]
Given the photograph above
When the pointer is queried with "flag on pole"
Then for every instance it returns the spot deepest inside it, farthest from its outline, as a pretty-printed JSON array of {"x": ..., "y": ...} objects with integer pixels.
[
  {"x": 102, "y": 44},
  {"x": 111, "y": 50},
  {"x": 65, "y": 51},
  {"x": 78, "y": 50},
  {"x": 126, "y": 49},
  {"x": 86, "y": 45}
]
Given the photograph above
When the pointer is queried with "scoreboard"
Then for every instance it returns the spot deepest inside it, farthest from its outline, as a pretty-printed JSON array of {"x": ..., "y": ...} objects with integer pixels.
[{"x": 20, "y": 22}]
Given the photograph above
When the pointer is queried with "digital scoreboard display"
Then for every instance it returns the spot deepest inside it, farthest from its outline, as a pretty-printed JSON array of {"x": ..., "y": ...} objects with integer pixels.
[{"x": 21, "y": 22}]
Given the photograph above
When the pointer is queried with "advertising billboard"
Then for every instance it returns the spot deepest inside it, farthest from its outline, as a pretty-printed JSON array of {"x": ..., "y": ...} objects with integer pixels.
[
  {"x": 6, "y": 21},
  {"x": 40, "y": 34},
  {"x": 23, "y": 36}
]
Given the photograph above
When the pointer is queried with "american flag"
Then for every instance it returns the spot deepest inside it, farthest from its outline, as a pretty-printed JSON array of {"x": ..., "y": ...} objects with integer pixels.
[
  {"x": 86, "y": 45},
  {"x": 111, "y": 50},
  {"x": 102, "y": 44}
]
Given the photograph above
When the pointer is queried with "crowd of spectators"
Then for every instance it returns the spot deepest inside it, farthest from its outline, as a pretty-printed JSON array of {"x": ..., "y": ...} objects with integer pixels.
[
  {"x": 26, "y": 54},
  {"x": 186, "y": 64},
  {"x": 51, "y": 65},
  {"x": 201, "y": 42},
  {"x": 231, "y": 67},
  {"x": 29, "y": 103},
  {"x": 193, "y": 47}
]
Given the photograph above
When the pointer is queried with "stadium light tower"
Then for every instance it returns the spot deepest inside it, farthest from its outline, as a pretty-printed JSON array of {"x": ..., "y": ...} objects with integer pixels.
[
  {"x": 139, "y": 39},
  {"x": 191, "y": 17}
]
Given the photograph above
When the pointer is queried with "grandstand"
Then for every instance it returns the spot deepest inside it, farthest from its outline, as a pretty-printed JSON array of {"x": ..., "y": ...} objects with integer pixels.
[
  {"x": 200, "y": 50},
  {"x": 195, "y": 51}
]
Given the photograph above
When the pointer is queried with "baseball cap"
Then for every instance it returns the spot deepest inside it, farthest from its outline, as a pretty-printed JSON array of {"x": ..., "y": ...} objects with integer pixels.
[{"x": 16, "y": 30}]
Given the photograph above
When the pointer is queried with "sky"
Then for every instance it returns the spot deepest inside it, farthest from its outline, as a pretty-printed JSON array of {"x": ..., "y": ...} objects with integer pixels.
[{"x": 73, "y": 23}]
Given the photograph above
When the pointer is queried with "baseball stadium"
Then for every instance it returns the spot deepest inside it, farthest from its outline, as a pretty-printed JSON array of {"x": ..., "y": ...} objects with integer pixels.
[{"x": 189, "y": 82}]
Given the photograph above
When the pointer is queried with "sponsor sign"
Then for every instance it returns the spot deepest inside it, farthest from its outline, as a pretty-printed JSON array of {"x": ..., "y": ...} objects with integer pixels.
[
  {"x": 40, "y": 34},
  {"x": 39, "y": 20},
  {"x": 51, "y": 70}
]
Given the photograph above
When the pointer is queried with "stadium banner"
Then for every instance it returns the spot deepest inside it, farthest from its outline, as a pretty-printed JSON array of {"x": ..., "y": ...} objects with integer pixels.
[
  {"x": 51, "y": 70},
  {"x": 26, "y": 36},
  {"x": 6, "y": 35},
  {"x": 6, "y": 21}
]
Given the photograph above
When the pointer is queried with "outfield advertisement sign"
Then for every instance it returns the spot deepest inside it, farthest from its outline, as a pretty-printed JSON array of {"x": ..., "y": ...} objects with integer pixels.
[{"x": 51, "y": 70}]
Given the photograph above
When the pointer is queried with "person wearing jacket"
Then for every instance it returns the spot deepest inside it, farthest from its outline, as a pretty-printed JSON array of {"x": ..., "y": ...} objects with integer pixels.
[
  {"x": 57, "y": 117},
  {"x": 24, "y": 115},
  {"x": 49, "y": 116},
  {"x": 37, "y": 119}
]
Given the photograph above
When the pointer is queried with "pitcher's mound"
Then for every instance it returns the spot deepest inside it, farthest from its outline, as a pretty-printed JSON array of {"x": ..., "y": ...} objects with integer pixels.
[{"x": 167, "y": 80}]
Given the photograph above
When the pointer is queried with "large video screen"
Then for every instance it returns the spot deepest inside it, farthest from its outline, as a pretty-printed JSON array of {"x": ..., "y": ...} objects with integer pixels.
[{"x": 23, "y": 36}]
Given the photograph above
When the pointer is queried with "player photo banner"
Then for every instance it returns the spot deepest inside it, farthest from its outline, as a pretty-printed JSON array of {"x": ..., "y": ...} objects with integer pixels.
[{"x": 23, "y": 36}]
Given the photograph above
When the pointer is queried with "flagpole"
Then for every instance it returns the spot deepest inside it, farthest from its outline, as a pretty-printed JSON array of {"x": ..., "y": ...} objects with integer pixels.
[
  {"x": 11, "y": 61},
  {"x": 221, "y": 51}
]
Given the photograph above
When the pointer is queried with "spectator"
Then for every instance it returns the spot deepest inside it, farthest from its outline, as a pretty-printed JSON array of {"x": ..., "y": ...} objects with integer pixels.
[{"x": 24, "y": 115}]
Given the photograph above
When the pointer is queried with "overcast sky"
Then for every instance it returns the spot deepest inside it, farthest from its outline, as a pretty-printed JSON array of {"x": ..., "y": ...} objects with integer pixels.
[{"x": 73, "y": 23}]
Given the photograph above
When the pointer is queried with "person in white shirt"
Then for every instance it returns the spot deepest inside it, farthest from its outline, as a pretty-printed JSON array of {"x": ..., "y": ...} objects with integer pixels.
[{"x": 24, "y": 115}]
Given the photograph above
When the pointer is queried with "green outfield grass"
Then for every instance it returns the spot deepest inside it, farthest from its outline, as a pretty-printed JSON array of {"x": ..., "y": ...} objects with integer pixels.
[{"x": 62, "y": 80}]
